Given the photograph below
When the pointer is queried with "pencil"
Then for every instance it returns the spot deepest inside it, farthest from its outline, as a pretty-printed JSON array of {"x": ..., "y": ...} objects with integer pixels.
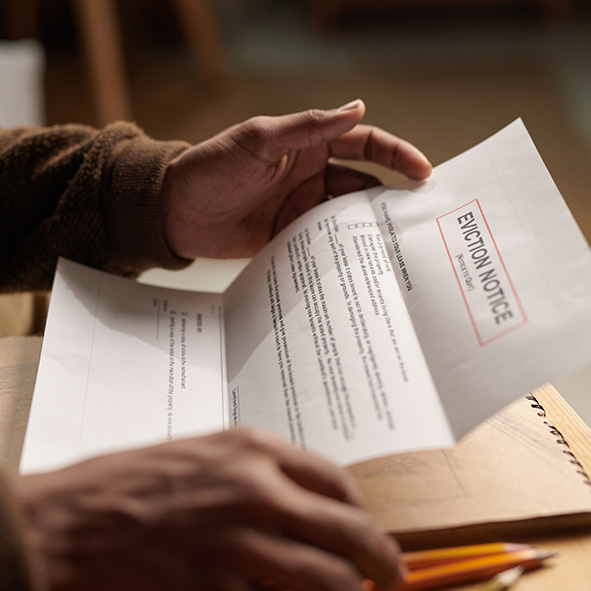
[
  {"x": 437, "y": 556},
  {"x": 503, "y": 580},
  {"x": 472, "y": 570}
]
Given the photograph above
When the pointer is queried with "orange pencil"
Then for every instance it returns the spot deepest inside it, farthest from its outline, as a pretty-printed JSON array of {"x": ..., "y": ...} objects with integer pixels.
[
  {"x": 472, "y": 570},
  {"x": 438, "y": 556}
]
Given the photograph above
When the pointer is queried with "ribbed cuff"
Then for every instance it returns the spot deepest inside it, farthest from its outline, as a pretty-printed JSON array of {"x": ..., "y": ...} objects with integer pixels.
[{"x": 132, "y": 190}]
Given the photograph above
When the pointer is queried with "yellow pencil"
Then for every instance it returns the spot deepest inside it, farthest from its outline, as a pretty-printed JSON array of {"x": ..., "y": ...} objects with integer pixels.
[
  {"x": 438, "y": 556},
  {"x": 472, "y": 570}
]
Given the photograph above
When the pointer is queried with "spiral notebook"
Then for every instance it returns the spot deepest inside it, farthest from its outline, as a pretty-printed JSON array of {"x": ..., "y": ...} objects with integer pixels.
[{"x": 524, "y": 471}]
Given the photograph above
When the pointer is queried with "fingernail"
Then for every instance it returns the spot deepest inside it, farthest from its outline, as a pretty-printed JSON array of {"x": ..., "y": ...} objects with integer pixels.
[{"x": 352, "y": 106}]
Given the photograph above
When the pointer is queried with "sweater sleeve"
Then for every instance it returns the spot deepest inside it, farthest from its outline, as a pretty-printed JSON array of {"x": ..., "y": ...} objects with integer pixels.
[{"x": 90, "y": 195}]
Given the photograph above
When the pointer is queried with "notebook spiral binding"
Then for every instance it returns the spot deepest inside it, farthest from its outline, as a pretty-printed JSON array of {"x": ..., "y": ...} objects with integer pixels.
[{"x": 560, "y": 440}]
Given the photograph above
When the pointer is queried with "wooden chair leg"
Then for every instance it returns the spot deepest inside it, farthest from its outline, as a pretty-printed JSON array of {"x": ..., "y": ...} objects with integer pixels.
[
  {"x": 101, "y": 37},
  {"x": 202, "y": 32}
]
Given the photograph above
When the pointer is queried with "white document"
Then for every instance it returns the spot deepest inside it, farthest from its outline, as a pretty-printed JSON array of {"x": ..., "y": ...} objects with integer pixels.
[{"x": 388, "y": 320}]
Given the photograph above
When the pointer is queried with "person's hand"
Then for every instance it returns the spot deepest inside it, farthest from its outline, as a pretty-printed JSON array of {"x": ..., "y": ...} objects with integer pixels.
[
  {"x": 233, "y": 511},
  {"x": 226, "y": 197}
]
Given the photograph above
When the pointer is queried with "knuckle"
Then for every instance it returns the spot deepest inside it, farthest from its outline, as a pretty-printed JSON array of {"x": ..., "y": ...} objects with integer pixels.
[
  {"x": 314, "y": 118},
  {"x": 263, "y": 505},
  {"x": 254, "y": 438},
  {"x": 342, "y": 485},
  {"x": 314, "y": 115},
  {"x": 254, "y": 134}
]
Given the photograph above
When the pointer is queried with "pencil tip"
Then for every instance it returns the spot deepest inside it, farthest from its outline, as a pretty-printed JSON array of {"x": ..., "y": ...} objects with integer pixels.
[{"x": 545, "y": 554}]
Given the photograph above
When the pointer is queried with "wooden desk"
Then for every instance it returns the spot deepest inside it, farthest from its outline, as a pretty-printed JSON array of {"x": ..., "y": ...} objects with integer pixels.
[
  {"x": 19, "y": 356},
  {"x": 19, "y": 359}
]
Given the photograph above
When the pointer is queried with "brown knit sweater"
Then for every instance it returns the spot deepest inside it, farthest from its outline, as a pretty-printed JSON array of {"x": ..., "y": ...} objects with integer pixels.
[
  {"x": 92, "y": 196},
  {"x": 89, "y": 195}
]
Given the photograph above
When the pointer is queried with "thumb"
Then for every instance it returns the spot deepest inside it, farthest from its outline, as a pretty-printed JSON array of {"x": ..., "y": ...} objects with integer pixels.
[{"x": 315, "y": 126}]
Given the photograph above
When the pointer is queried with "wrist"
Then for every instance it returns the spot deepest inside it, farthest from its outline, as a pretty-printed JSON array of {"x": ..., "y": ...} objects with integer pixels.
[
  {"x": 173, "y": 218},
  {"x": 133, "y": 206}
]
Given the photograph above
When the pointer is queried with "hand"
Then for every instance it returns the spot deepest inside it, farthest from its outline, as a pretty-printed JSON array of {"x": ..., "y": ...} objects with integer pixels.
[
  {"x": 226, "y": 512},
  {"x": 227, "y": 196}
]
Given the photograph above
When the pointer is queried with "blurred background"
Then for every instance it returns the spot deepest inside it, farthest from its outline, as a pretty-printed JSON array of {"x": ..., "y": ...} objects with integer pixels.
[{"x": 444, "y": 74}]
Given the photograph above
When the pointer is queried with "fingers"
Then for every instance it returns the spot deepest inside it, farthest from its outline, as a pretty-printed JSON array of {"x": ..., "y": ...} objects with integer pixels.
[
  {"x": 321, "y": 476},
  {"x": 334, "y": 181},
  {"x": 341, "y": 180},
  {"x": 296, "y": 509},
  {"x": 269, "y": 138},
  {"x": 315, "y": 126},
  {"x": 307, "y": 469},
  {"x": 341, "y": 529},
  {"x": 373, "y": 144},
  {"x": 346, "y": 532},
  {"x": 289, "y": 564}
]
